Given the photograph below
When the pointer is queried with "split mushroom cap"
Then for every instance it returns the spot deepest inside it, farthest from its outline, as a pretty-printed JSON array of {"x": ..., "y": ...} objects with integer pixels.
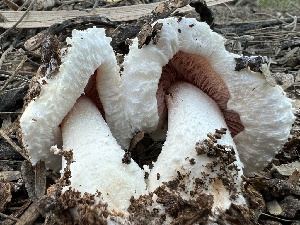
[
  {"x": 97, "y": 158},
  {"x": 88, "y": 50},
  {"x": 258, "y": 115}
]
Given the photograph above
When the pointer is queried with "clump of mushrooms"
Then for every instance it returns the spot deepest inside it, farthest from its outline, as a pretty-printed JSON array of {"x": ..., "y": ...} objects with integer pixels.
[{"x": 215, "y": 116}]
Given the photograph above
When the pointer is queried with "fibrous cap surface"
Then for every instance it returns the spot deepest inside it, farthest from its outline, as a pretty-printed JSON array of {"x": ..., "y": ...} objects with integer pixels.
[{"x": 40, "y": 121}]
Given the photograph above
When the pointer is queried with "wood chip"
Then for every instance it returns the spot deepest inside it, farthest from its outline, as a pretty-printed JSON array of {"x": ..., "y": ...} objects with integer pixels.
[
  {"x": 35, "y": 42},
  {"x": 29, "y": 216}
]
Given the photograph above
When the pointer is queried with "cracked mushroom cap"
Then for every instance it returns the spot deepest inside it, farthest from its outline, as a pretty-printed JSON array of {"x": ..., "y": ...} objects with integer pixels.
[
  {"x": 259, "y": 116},
  {"x": 88, "y": 50}
]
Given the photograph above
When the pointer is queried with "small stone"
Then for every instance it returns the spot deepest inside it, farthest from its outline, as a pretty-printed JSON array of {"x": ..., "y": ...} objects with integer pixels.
[{"x": 274, "y": 208}]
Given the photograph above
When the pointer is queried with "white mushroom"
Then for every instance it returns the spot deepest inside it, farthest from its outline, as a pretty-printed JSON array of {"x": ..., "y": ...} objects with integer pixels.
[
  {"x": 259, "y": 117},
  {"x": 87, "y": 51}
]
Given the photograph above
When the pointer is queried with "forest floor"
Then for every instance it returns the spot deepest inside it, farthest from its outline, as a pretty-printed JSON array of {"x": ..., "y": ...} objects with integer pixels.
[{"x": 250, "y": 29}]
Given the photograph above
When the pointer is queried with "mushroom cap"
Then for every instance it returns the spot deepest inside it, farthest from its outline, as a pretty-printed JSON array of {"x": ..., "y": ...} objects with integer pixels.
[
  {"x": 265, "y": 113},
  {"x": 88, "y": 50}
]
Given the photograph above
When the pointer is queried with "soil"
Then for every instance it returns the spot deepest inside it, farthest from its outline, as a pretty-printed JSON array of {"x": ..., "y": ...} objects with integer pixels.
[{"x": 250, "y": 29}]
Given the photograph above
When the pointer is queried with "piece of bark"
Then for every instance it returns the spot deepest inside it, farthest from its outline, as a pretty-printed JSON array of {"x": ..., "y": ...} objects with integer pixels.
[
  {"x": 29, "y": 216},
  {"x": 36, "y": 19}
]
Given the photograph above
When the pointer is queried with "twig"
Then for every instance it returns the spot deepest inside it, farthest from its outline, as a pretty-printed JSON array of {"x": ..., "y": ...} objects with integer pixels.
[
  {"x": 11, "y": 5},
  {"x": 13, "y": 75},
  {"x": 73, "y": 2},
  {"x": 4, "y": 34},
  {"x": 22, "y": 77},
  {"x": 10, "y": 113},
  {"x": 294, "y": 23},
  {"x": 95, "y": 4},
  {"x": 8, "y": 217},
  {"x": 9, "y": 141},
  {"x": 2, "y": 59},
  {"x": 114, "y": 4},
  {"x": 239, "y": 2},
  {"x": 227, "y": 6},
  {"x": 266, "y": 14},
  {"x": 245, "y": 27},
  {"x": 14, "y": 89},
  {"x": 24, "y": 5}
]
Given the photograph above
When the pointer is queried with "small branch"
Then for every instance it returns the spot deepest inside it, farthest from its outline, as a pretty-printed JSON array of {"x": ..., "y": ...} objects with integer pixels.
[
  {"x": 8, "y": 217},
  {"x": 9, "y": 141},
  {"x": 72, "y": 2},
  {"x": 294, "y": 23}
]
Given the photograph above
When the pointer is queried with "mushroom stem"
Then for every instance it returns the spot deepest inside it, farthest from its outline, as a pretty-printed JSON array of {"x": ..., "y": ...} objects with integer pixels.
[
  {"x": 97, "y": 157},
  {"x": 191, "y": 116}
]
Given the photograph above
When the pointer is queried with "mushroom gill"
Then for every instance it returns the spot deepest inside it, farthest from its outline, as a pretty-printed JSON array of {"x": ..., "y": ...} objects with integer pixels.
[{"x": 197, "y": 70}]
